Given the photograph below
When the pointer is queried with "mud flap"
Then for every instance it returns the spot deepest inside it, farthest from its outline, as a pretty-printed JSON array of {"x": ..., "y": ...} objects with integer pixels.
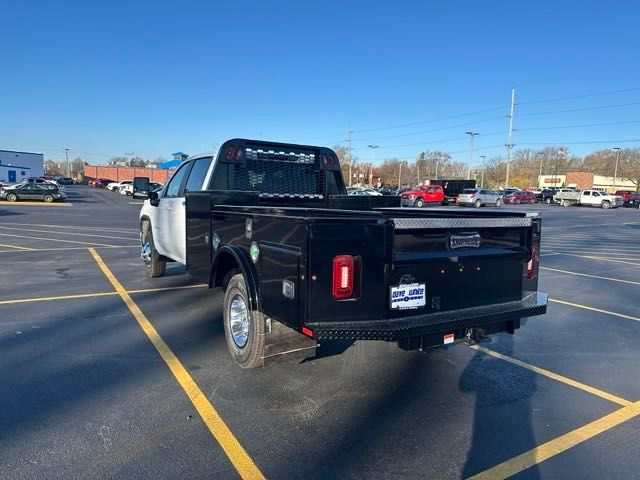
[{"x": 283, "y": 344}]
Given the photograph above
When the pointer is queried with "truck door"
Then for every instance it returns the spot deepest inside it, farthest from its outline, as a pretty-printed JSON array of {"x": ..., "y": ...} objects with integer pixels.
[
  {"x": 169, "y": 225},
  {"x": 596, "y": 198},
  {"x": 587, "y": 198}
]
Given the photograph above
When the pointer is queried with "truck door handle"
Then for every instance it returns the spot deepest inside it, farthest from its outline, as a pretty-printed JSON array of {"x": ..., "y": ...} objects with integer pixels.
[{"x": 184, "y": 202}]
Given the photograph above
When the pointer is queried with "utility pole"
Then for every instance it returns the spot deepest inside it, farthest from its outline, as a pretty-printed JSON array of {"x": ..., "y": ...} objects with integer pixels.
[
  {"x": 510, "y": 145},
  {"x": 615, "y": 172},
  {"x": 66, "y": 152},
  {"x": 350, "y": 156},
  {"x": 471, "y": 135},
  {"x": 483, "y": 157},
  {"x": 541, "y": 155},
  {"x": 400, "y": 175},
  {"x": 437, "y": 161},
  {"x": 372, "y": 147}
]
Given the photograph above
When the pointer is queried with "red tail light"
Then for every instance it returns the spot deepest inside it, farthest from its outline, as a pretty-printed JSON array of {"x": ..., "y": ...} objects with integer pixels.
[
  {"x": 533, "y": 263},
  {"x": 343, "y": 274},
  {"x": 228, "y": 155}
]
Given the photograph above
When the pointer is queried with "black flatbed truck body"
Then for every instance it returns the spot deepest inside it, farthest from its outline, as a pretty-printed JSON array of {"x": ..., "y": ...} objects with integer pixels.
[{"x": 285, "y": 247}]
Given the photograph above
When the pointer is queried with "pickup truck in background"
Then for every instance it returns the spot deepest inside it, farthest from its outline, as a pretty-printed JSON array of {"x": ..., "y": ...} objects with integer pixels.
[
  {"x": 300, "y": 261},
  {"x": 593, "y": 198},
  {"x": 429, "y": 194}
]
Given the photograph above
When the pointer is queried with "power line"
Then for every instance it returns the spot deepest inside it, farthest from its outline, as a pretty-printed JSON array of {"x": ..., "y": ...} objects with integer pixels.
[
  {"x": 583, "y": 125},
  {"x": 589, "y": 142},
  {"x": 581, "y": 109},
  {"x": 422, "y": 132},
  {"x": 587, "y": 95}
]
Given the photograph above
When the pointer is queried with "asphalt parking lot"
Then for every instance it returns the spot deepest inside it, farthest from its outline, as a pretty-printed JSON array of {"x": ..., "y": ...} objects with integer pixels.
[{"x": 104, "y": 372}]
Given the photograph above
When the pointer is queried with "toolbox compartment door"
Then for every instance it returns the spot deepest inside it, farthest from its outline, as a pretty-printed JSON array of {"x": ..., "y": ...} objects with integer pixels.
[{"x": 280, "y": 293}]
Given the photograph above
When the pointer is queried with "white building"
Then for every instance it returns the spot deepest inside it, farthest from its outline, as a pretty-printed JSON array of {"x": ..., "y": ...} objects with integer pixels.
[{"x": 15, "y": 166}]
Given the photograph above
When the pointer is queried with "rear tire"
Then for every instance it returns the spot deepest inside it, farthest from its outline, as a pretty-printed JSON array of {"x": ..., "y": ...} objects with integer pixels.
[
  {"x": 498, "y": 203},
  {"x": 243, "y": 328},
  {"x": 155, "y": 263},
  {"x": 547, "y": 201},
  {"x": 11, "y": 197},
  {"x": 48, "y": 198}
]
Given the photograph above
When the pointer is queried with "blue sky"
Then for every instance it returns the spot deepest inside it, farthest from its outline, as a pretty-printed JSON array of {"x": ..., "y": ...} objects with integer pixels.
[{"x": 156, "y": 77}]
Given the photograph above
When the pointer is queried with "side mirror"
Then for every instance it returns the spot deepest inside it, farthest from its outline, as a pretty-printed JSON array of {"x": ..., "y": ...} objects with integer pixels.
[
  {"x": 154, "y": 199},
  {"x": 140, "y": 187}
]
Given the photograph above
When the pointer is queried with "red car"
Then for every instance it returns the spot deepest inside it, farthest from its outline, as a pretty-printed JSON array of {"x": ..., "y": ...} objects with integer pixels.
[
  {"x": 422, "y": 195},
  {"x": 520, "y": 197},
  {"x": 100, "y": 182},
  {"x": 625, "y": 194}
]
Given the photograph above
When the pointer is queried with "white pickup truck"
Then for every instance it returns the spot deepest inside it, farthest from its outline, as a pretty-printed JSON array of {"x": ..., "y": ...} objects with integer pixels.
[{"x": 593, "y": 198}]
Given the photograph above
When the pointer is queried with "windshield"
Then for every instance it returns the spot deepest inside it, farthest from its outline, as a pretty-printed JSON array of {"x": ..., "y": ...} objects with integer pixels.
[{"x": 467, "y": 191}]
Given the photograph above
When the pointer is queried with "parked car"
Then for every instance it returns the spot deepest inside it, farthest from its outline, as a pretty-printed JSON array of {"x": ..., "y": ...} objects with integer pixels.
[
  {"x": 127, "y": 189},
  {"x": 625, "y": 193},
  {"x": 632, "y": 201},
  {"x": 65, "y": 181},
  {"x": 115, "y": 186},
  {"x": 47, "y": 192},
  {"x": 100, "y": 182},
  {"x": 478, "y": 197},
  {"x": 593, "y": 198},
  {"x": 545, "y": 195},
  {"x": 433, "y": 194},
  {"x": 520, "y": 197},
  {"x": 452, "y": 187}
]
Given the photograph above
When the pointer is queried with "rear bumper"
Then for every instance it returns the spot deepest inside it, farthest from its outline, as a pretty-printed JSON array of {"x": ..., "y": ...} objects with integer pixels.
[{"x": 417, "y": 325}]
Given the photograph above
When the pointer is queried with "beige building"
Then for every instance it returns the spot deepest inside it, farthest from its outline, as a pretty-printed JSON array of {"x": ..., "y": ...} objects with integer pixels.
[{"x": 586, "y": 180}]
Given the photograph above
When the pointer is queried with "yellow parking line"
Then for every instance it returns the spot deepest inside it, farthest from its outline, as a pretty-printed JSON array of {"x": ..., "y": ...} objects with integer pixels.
[
  {"x": 604, "y": 259},
  {"x": 60, "y": 297},
  {"x": 560, "y": 444},
  {"x": 590, "y": 276},
  {"x": 68, "y": 233},
  {"x": 56, "y": 240},
  {"x": 75, "y": 227},
  {"x": 15, "y": 246},
  {"x": 60, "y": 249},
  {"x": 220, "y": 431},
  {"x": 37, "y": 204},
  {"x": 593, "y": 309},
  {"x": 97, "y": 294},
  {"x": 554, "y": 376}
]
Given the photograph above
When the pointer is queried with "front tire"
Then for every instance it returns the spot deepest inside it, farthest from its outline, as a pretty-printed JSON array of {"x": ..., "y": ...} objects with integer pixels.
[
  {"x": 419, "y": 203},
  {"x": 477, "y": 204},
  {"x": 498, "y": 203},
  {"x": 155, "y": 263},
  {"x": 243, "y": 328},
  {"x": 606, "y": 204},
  {"x": 48, "y": 198}
]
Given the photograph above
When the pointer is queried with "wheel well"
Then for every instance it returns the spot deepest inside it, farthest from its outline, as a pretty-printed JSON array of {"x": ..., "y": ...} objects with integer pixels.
[{"x": 224, "y": 265}]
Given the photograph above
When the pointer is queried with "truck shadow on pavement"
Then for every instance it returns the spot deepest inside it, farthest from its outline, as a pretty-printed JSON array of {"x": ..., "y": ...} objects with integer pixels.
[{"x": 497, "y": 437}]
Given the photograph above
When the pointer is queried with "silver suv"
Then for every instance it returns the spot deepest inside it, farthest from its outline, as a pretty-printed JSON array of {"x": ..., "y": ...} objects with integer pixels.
[{"x": 478, "y": 197}]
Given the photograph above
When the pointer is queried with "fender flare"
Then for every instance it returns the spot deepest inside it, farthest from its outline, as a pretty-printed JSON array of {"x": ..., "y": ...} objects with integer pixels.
[{"x": 237, "y": 256}]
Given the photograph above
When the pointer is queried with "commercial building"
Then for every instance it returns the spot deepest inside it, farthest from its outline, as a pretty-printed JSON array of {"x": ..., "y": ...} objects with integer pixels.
[
  {"x": 586, "y": 180},
  {"x": 15, "y": 166}
]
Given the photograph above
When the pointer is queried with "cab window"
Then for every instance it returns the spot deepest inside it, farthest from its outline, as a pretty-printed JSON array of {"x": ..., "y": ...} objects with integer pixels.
[
  {"x": 173, "y": 189},
  {"x": 197, "y": 174}
]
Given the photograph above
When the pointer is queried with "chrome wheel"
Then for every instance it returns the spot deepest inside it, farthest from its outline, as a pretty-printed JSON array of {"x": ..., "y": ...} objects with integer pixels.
[
  {"x": 239, "y": 321},
  {"x": 145, "y": 254}
]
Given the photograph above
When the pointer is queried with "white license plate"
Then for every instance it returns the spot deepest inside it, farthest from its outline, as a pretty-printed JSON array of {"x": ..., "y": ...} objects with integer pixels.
[{"x": 408, "y": 296}]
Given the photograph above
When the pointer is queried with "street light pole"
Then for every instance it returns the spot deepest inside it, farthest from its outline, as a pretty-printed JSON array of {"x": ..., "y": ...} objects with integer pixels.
[
  {"x": 66, "y": 152},
  {"x": 372, "y": 147},
  {"x": 483, "y": 157},
  {"x": 400, "y": 175},
  {"x": 615, "y": 172},
  {"x": 471, "y": 135}
]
